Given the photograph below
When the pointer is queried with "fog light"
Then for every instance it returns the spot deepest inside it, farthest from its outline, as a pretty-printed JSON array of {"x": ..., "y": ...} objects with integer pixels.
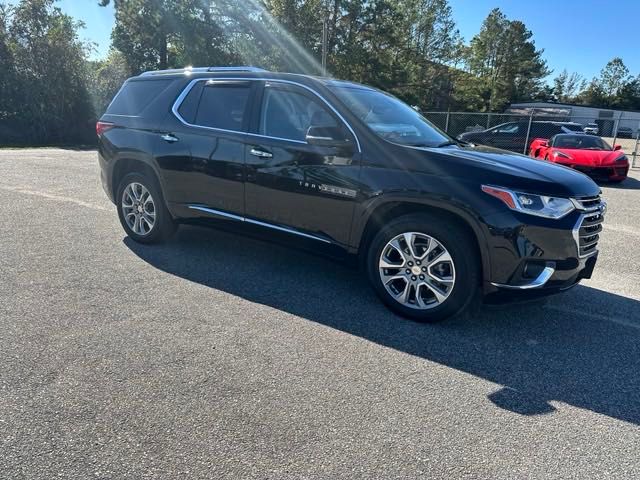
[{"x": 532, "y": 269}]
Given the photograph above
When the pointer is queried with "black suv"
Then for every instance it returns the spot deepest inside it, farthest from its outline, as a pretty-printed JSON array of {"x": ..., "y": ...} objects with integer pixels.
[
  {"x": 515, "y": 136},
  {"x": 345, "y": 166}
]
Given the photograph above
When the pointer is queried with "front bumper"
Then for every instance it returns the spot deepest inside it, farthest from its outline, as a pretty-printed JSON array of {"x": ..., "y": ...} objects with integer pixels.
[
  {"x": 616, "y": 171},
  {"x": 611, "y": 171},
  {"x": 533, "y": 256}
]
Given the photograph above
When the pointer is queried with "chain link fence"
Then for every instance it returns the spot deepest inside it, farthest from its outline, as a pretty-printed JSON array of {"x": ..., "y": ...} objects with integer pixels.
[{"x": 515, "y": 132}]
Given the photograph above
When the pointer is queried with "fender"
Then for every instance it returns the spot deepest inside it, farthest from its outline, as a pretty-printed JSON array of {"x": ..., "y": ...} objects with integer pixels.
[
  {"x": 119, "y": 147},
  {"x": 365, "y": 210}
]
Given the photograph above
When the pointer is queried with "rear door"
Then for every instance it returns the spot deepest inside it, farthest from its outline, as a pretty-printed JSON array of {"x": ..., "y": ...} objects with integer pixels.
[
  {"x": 307, "y": 189},
  {"x": 202, "y": 153}
]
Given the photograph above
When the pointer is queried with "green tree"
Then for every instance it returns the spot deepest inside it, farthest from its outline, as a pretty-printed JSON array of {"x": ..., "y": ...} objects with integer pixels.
[
  {"x": 8, "y": 82},
  {"x": 405, "y": 46},
  {"x": 159, "y": 34},
  {"x": 45, "y": 65},
  {"x": 504, "y": 55},
  {"x": 106, "y": 77},
  {"x": 567, "y": 85},
  {"x": 613, "y": 77},
  {"x": 628, "y": 96},
  {"x": 612, "y": 88}
]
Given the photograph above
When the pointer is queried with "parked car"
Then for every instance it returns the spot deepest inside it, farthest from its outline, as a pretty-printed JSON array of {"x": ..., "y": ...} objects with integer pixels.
[
  {"x": 344, "y": 167},
  {"x": 625, "y": 132},
  {"x": 588, "y": 154},
  {"x": 592, "y": 129},
  {"x": 513, "y": 135}
]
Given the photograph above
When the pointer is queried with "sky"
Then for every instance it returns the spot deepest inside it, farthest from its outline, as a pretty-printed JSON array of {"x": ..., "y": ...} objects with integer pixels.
[{"x": 579, "y": 35}]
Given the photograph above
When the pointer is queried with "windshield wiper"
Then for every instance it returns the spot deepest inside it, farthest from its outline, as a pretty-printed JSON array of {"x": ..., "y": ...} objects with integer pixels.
[
  {"x": 430, "y": 145},
  {"x": 445, "y": 144}
]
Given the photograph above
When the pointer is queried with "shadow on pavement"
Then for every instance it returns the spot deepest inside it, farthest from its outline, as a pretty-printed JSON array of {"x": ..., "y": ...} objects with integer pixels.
[
  {"x": 629, "y": 184},
  {"x": 581, "y": 348}
]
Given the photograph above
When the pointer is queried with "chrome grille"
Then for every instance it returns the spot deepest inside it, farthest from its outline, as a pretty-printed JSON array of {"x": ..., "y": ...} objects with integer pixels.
[
  {"x": 589, "y": 226},
  {"x": 590, "y": 203}
]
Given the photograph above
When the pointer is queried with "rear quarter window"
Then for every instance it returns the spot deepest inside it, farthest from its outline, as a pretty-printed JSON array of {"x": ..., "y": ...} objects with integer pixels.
[
  {"x": 135, "y": 96},
  {"x": 189, "y": 106}
]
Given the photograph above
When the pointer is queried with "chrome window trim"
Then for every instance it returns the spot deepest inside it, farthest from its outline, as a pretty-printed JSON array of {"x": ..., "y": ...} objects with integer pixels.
[
  {"x": 191, "y": 84},
  {"x": 239, "y": 218}
]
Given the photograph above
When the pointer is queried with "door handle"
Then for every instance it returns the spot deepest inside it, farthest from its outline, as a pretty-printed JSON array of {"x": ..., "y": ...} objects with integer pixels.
[
  {"x": 168, "y": 137},
  {"x": 260, "y": 153}
]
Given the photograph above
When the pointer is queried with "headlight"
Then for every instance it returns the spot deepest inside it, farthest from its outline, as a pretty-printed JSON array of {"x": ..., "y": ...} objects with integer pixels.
[
  {"x": 622, "y": 158},
  {"x": 561, "y": 155},
  {"x": 539, "y": 205}
]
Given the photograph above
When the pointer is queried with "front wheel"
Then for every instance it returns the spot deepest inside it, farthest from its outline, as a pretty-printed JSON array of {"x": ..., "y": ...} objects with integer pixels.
[{"x": 424, "y": 267}]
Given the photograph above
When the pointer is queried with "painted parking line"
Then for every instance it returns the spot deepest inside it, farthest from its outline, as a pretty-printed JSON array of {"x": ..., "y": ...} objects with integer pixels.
[{"x": 55, "y": 197}]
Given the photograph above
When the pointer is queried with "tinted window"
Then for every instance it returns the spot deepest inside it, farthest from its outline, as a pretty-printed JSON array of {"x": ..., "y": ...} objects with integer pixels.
[
  {"x": 189, "y": 106},
  {"x": 538, "y": 130},
  {"x": 136, "y": 96},
  {"x": 223, "y": 106},
  {"x": 288, "y": 114},
  {"x": 548, "y": 130},
  {"x": 574, "y": 128},
  {"x": 508, "y": 128},
  {"x": 389, "y": 117},
  {"x": 585, "y": 142}
]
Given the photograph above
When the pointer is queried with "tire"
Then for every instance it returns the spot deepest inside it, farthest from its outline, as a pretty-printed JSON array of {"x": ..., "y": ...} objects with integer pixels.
[
  {"x": 145, "y": 231},
  {"x": 436, "y": 236}
]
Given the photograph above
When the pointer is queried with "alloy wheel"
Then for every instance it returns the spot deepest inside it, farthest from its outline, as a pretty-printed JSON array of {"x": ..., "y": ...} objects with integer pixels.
[
  {"x": 138, "y": 208},
  {"x": 417, "y": 270}
]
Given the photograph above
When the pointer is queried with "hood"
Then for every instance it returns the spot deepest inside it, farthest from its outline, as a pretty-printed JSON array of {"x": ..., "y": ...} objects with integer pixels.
[
  {"x": 492, "y": 166},
  {"x": 592, "y": 158}
]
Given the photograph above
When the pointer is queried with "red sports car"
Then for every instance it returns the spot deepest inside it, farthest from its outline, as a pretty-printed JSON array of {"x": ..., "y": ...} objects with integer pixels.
[{"x": 586, "y": 153}]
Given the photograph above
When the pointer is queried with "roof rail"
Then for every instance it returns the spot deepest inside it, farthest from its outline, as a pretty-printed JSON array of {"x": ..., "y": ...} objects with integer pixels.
[
  {"x": 202, "y": 70},
  {"x": 236, "y": 69}
]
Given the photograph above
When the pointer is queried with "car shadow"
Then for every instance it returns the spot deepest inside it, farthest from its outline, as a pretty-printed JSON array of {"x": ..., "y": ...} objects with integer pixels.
[
  {"x": 629, "y": 183},
  {"x": 580, "y": 348}
]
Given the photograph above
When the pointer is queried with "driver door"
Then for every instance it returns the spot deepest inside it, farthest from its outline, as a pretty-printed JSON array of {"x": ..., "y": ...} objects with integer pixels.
[{"x": 291, "y": 185}]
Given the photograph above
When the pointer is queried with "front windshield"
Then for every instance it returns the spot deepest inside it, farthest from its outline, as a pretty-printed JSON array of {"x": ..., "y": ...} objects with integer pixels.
[
  {"x": 390, "y": 118},
  {"x": 583, "y": 142}
]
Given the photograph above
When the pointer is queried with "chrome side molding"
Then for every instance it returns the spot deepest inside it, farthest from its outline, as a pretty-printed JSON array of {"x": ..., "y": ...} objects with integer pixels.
[{"x": 238, "y": 218}]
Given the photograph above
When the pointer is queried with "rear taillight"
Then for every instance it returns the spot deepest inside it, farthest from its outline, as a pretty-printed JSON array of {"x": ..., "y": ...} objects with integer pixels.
[{"x": 102, "y": 127}]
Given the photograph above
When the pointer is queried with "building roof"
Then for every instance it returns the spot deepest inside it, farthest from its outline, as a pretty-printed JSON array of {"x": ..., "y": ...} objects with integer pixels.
[{"x": 560, "y": 104}]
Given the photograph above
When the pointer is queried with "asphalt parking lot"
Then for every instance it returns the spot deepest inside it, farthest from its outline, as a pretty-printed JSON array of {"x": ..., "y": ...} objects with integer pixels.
[{"x": 218, "y": 356}]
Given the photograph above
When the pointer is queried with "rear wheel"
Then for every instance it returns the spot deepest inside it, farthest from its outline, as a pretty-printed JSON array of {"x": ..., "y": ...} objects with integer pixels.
[
  {"x": 142, "y": 210},
  {"x": 424, "y": 267}
]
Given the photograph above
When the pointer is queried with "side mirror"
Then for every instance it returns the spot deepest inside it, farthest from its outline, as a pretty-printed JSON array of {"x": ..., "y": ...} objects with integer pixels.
[
  {"x": 327, "y": 137},
  {"x": 544, "y": 144},
  {"x": 617, "y": 147}
]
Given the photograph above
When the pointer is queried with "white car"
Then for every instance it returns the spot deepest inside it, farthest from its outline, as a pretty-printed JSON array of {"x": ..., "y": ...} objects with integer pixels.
[{"x": 591, "y": 129}]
